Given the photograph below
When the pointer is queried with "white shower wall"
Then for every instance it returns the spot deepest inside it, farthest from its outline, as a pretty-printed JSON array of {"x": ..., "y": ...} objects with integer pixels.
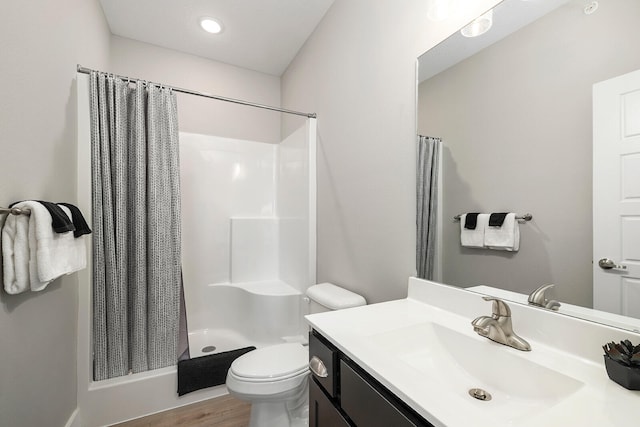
[
  {"x": 254, "y": 249},
  {"x": 248, "y": 237},
  {"x": 221, "y": 178},
  {"x": 296, "y": 207}
]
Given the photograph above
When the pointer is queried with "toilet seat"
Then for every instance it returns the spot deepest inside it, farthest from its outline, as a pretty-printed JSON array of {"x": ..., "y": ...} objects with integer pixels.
[{"x": 272, "y": 363}]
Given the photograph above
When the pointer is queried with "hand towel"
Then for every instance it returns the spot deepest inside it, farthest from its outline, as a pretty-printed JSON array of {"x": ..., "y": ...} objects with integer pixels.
[
  {"x": 471, "y": 220},
  {"x": 56, "y": 254},
  {"x": 81, "y": 226},
  {"x": 60, "y": 221},
  {"x": 473, "y": 238},
  {"x": 15, "y": 253},
  {"x": 496, "y": 219},
  {"x": 505, "y": 237}
]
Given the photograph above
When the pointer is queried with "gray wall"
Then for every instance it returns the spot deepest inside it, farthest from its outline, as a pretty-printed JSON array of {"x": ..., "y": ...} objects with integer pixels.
[
  {"x": 40, "y": 43},
  {"x": 357, "y": 71},
  {"x": 200, "y": 115},
  {"x": 516, "y": 124}
]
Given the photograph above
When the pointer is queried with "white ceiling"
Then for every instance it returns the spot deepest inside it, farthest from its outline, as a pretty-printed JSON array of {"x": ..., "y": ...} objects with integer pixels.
[{"x": 261, "y": 35}]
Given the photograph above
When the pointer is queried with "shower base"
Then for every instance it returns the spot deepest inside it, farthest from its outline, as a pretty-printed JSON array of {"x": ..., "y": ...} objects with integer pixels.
[
  {"x": 201, "y": 341},
  {"x": 229, "y": 316},
  {"x": 222, "y": 339}
]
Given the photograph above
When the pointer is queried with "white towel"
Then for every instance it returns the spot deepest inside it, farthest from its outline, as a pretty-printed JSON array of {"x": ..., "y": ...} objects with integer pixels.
[
  {"x": 56, "y": 254},
  {"x": 15, "y": 253},
  {"x": 50, "y": 254},
  {"x": 473, "y": 238},
  {"x": 34, "y": 282},
  {"x": 505, "y": 237}
]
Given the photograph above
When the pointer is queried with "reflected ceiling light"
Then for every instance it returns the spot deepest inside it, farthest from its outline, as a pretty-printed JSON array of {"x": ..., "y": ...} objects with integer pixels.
[
  {"x": 211, "y": 25},
  {"x": 590, "y": 8},
  {"x": 479, "y": 25},
  {"x": 439, "y": 10}
]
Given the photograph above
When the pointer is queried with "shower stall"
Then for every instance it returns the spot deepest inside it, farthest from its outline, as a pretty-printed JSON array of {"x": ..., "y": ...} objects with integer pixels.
[
  {"x": 248, "y": 240},
  {"x": 248, "y": 256}
]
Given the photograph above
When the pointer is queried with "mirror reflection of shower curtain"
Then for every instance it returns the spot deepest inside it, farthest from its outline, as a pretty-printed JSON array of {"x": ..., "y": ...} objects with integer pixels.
[
  {"x": 136, "y": 220},
  {"x": 428, "y": 154}
]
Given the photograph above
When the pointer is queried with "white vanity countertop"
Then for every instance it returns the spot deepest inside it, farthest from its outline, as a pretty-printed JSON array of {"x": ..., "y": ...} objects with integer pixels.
[{"x": 382, "y": 339}]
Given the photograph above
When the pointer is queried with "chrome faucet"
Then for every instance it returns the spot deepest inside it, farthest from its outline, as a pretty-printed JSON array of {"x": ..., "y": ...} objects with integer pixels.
[
  {"x": 538, "y": 298},
  {"x": 498, "y": 327}
]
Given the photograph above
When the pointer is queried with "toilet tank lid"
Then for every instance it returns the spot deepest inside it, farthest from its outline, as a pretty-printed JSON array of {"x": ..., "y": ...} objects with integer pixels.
[{"x": 334, "y": 297}]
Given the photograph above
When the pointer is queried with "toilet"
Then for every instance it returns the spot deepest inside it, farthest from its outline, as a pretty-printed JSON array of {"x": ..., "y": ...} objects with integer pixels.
[{"x": 274, "y": 379}]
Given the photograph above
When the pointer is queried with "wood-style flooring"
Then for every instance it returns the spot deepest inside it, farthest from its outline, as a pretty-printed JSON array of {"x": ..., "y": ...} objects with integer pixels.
[{"x": 224, "y": 411}]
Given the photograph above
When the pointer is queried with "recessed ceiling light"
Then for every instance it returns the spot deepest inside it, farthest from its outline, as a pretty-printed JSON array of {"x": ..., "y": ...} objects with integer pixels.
[
  {"x": 479, "y": 25},
  {"x": 211, "y": 25}
]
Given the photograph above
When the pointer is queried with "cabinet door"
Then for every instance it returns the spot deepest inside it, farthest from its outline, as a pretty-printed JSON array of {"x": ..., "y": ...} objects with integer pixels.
[
  {"x": 368, "y": 405},
  {"x": 322, "y": 412}
]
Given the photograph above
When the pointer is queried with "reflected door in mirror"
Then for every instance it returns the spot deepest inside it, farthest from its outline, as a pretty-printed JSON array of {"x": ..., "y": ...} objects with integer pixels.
[{"x": 616, "y": 195}]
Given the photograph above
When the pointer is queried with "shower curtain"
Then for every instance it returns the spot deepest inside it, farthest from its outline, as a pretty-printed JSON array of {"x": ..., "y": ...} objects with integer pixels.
[
  {"x": 427, "y": 203},
  {"x": 136, "y": 220}
]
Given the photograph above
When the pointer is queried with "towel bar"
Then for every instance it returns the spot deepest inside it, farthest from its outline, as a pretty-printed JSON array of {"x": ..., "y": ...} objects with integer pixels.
[
  {"x": 525, "y": 217},
  {"x": 15, "y": 211}
]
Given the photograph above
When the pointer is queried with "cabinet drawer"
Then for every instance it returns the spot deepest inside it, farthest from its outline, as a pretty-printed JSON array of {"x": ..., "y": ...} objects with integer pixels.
[
  {"x": 322, "y": 412},
  {"x": 366, "y": 406},
  {"x": 327, "y": 358}
]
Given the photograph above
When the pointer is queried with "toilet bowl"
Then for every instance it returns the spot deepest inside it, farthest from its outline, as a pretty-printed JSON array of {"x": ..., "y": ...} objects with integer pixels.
[{"x": 275, "y": 378}]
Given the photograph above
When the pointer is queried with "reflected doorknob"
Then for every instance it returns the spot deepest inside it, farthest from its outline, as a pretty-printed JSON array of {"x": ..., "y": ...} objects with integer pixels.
[{"x": 608, "y": 264}]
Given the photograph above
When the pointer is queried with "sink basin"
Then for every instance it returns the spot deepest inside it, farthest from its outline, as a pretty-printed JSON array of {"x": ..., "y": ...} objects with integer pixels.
[{"x": 455, "y": 362}]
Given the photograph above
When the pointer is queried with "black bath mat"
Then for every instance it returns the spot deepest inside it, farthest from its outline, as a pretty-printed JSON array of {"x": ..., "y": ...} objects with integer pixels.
[{"x": 206, "y": 371}]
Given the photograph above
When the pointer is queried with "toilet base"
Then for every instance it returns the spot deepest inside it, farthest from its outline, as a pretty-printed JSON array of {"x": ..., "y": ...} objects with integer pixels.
[
  {"x": 282, "y": 413},
  {"x": 269, "y": 414},
  {"x": 275, "y": 414}
]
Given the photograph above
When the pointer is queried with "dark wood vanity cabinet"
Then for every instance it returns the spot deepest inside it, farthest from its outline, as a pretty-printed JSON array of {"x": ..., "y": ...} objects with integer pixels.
[
  {"x": 322, "y": 411},
  {"x": 346, "y": 395}
]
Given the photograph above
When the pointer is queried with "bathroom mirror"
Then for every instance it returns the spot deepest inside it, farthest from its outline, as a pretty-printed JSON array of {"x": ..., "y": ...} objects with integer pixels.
[{"x": 514, "y": 110}]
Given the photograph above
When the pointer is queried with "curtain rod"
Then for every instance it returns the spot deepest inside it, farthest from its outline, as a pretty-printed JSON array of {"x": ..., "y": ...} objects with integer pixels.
[{"x": 85, "y": 70}]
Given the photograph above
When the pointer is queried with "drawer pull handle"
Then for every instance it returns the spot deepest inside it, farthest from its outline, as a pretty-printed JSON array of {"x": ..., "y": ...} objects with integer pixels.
[{"x": 318, "y": 368}]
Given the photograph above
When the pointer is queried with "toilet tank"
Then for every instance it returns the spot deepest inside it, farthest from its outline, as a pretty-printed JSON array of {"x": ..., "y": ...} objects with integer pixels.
[{"x": 328, "y": 297}]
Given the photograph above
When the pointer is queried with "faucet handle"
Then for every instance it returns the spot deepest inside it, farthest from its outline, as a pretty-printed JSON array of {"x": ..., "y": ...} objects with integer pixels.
[
  {"x": 539, "y": 298},
  {"x": 499, "y": 308}
]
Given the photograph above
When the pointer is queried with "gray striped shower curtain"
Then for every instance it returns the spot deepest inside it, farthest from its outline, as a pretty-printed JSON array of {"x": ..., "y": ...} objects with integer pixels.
[
  {"x": 136, "y": 222},
  {"x": 427, "y": 203}
]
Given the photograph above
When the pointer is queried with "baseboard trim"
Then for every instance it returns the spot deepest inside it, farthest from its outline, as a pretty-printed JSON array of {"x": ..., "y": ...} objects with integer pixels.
[{"x": 74, "y": 419}]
